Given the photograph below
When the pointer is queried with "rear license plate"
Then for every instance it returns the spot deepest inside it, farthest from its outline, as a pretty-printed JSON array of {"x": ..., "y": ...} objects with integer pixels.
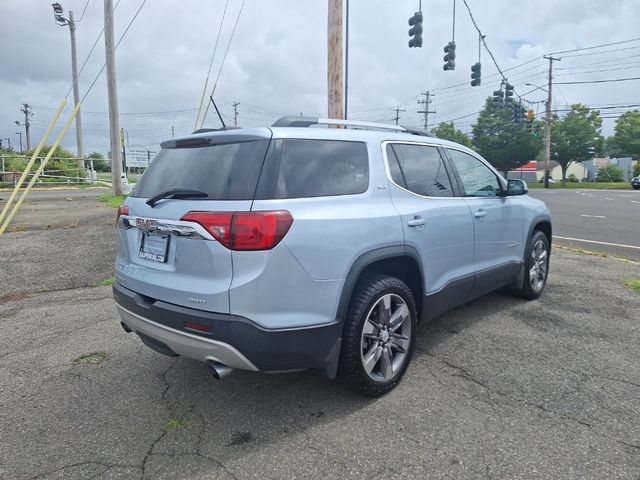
[{"x": 154, "y": 247}]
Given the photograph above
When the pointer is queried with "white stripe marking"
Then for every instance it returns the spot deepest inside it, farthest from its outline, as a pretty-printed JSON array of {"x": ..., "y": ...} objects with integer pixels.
[
  {"x": 592, "y": 216},
  {"x": 607, "y": 198},
  {"x": 596, "y": 242},
  {"x": 634, "y": 201}
]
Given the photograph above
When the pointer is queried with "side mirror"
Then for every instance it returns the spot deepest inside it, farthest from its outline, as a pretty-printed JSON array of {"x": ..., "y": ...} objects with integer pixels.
[{"x": 517, "y": 187}]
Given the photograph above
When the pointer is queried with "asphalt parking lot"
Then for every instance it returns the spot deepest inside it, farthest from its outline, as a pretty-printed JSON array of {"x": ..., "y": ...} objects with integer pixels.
[{"x": 501, "y": 388}]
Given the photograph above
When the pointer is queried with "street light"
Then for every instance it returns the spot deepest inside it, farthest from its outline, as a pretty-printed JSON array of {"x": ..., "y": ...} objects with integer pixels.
[{"x": 63, "y": 22}]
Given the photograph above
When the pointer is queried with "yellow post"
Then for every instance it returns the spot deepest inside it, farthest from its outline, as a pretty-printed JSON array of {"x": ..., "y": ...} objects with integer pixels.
[
  {"x": 33, "y": 159},
  {"x": 40, "y": 170}
]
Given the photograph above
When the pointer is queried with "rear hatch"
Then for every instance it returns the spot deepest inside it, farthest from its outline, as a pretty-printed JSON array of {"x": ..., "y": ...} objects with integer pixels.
[{"x": 161, "y": 255}]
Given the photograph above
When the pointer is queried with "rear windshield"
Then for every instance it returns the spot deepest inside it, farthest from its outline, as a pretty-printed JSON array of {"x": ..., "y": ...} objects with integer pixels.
[
  {"x": 317, "y": 168},
  {"x": 225, "y": 172}
]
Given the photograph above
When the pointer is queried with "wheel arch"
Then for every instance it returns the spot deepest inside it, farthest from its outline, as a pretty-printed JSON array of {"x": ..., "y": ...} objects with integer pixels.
[
  {"x": 400, "y": 261},
  {"x": 539, "y": 224}
]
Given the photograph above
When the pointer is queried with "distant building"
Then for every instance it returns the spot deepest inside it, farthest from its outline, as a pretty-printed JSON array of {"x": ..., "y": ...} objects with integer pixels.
[
  {"x": 577, "y": 169},
  {"x": 527, "y": 172},
  {"x": 625, "y": 163}
]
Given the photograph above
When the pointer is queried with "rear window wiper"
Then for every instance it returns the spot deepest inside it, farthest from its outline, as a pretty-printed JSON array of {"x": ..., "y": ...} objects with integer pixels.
[{"x": 177, "y": 193}]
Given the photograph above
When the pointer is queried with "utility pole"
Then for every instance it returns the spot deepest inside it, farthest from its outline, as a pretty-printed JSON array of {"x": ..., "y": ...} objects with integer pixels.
[
  {"x": 235, "y": 113},
  {"x": 173, "y": 132},
  {"x": 335, "y": 63},
  {"x": 20, "y": 135},
  {"x": 398, "y": 110},
  {"x": 76, "y": 92},
  {"x": 547, "y": 126},
  {"x": 26, "y": 109},
  {"x": 114, "y": 121},
  {"x": 63, "y": 22},
  {"x": 426, "y": 110}
]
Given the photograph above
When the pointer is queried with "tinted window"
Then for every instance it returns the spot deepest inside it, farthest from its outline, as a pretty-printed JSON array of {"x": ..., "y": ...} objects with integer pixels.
[
  {"x": 225, "y": 172},
  {"x": 419, "y": 169},
  {"x": 317, "y": 168},
  {"x": 477, "y": 179}
]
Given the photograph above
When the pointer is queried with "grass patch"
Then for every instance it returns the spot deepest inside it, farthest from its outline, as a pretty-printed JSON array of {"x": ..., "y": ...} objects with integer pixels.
[
  {"x": 175, "y": 423},
  {"x": 106, "y": 282},
  {"x": 632, "y": 283},
  {"x": 584, "y": 185},
  {"x": 89, "y": 358},
  {"x": 114, "y": 201}
]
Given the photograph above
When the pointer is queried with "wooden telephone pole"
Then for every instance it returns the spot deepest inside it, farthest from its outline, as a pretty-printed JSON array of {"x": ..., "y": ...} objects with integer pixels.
[{"x": 335, "y": 61}]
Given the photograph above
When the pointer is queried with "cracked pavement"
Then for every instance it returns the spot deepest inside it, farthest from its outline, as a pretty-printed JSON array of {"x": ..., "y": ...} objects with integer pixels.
[{"x": 501, "y": 388}]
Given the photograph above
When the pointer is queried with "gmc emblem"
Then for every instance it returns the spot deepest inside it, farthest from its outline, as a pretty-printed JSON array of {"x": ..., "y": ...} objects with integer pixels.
[{"x": 146, "y": 223}]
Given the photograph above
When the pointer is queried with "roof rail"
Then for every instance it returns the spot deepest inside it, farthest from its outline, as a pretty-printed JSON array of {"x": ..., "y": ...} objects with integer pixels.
[
  {"x": 420, "y": 131},
  {"x": 293, "y": 121}
]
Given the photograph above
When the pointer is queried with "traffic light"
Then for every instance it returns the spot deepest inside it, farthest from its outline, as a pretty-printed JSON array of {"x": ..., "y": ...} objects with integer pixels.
[
  {"x": 531, "y": 115},
  {"x": 475, "y": 74},
  {"x": 498, "y": 97},
  {"x": 450, "y": 57},
  {"x": 508, "y": 93},
  {"x": 415, "y": 32},
  {"x": 519, "y": 114}
]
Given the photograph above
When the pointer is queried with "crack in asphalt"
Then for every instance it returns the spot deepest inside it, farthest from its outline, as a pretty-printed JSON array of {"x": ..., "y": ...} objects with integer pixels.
[{"x": 467, "y": 375}]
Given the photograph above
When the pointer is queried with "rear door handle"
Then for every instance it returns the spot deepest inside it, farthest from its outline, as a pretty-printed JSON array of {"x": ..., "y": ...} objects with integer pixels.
[
  {"x": 417, "y": 221},
  {"x": 480, "y": 213}
]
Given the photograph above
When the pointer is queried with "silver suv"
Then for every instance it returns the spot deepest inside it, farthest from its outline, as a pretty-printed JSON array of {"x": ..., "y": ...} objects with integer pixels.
[{"x": 297, "y": 247}]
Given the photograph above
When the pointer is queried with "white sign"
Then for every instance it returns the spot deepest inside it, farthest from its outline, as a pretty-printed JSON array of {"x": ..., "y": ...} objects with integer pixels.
[{"x": 140, "y": 158}]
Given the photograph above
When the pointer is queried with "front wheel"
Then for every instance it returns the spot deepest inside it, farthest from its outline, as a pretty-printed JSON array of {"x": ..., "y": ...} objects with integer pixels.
[
  {"x": 379, "y": 335},
  {"x": 536, "y": 266}
]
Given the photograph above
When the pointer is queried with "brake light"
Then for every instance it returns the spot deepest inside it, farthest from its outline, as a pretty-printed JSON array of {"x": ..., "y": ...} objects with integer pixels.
[
  {"x": 244, "y": 230},
  {"x": 122, "y": 210}
]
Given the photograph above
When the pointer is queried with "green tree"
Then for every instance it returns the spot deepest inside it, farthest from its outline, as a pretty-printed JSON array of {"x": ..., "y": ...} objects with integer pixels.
[
  {"x": 636, "y": 169},
  {"x": 610, "y": 173},
  {"x": 576, "y": 137},
  {"x": 99, "y": 163},
  {"x": 626, "y": 141},
  {"x": 504, "y": 143},
  {"x": 448, "y": 131}
]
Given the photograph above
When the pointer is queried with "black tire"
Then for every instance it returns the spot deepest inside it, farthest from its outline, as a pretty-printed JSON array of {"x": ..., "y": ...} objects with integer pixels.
[
  {"x": 530, "y": 289},
  {"x": 367, "y": 295}
]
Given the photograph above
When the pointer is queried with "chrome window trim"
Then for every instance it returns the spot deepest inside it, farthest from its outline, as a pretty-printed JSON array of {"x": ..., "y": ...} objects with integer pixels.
[
  {"x": 388, "y": 170},
  {"x": 501, "y": 179}
]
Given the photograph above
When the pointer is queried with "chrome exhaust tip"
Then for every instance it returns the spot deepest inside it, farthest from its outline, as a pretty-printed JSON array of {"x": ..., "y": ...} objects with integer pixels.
[
  {"x": 220, "y": 371},
  {"x": 125, "y": 327}
]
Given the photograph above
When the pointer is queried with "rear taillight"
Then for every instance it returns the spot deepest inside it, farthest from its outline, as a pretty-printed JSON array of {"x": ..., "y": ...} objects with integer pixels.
[
  {"x": 245, "y": 230},
  {"x": 122, "y": 210}
]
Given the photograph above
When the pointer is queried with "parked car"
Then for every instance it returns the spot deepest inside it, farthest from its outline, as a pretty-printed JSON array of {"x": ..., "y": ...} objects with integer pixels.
[
  {"x": 635, "y": 183},
  {"x": 293, "y": 247}
]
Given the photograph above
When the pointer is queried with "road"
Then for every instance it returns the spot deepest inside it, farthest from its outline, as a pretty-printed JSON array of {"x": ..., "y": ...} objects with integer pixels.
[
  {"x": 590, "y": 216},
  {"x": 501, "y": 388}
]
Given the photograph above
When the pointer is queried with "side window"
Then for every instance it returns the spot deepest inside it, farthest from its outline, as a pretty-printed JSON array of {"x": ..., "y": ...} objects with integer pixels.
[
  {"x": 419, "y": 169},
  {"x": 318, "y": 168},
  {"x": 477, "y": 179}
]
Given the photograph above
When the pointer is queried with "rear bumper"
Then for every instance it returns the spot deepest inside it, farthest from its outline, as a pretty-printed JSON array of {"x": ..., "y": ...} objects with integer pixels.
[{"x": 233, "y": 340}]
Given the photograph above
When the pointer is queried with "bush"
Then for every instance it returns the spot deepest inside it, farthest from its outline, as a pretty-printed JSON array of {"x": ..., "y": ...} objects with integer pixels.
[
  {"x": 572, "y": 178},
  {"x": 610, "y": 173},
  {"x": 636, "y": 169}
]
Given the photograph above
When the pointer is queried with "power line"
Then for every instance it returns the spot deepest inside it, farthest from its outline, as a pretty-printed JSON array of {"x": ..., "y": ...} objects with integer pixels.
[
  {"x": 596, "y": 46},
  {"x": 484, "y": 42},
  {"x": 83, "y": 10},
  {"x": 223, "y": 60},
  {"x": 602, "y": 52},
  {"x": 598, "y": 81},
  {"x": 116, "y": 46},
  {"x": 215, "y": 48}
]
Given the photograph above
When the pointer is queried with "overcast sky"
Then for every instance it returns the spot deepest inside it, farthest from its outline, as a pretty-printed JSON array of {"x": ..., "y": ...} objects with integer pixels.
[{"x": 277, "y": 61}]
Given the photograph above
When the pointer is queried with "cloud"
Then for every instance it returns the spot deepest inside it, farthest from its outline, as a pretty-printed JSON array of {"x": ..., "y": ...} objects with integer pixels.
[{"x": 277, "y": 61}]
